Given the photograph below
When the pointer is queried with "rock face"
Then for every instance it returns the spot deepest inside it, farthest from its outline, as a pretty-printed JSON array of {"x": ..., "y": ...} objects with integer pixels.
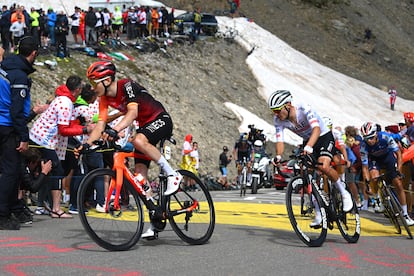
[{"x": 197, "y": 79}]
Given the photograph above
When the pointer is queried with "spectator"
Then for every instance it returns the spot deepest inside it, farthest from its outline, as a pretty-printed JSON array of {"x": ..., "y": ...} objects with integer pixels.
[
  {"x": 106, "y": 23},
  {"x": 50, "y": 134},
  {"x": 131, "y": 23},
  {"x": 61, "y": 31},
  {"x": 51, "y": 21},
  {"x": 224, "y": 160},
  {"x": 197, "y": 22},
  {"x": 233, "y": 7},
  {"x": 35, "y": 28},
  {"x": 117, "y": 22},
  {"x": 14, "y": 110},
  {"x": 353, "y": 141},
  {"x": 82, "y": 27},
  {"x": 43, "y": 29},
  {"x": 5, "y": 23},
  {"x": 142, "y": 23},
  {"x": 170, "y": 21},
  {"x": 99, "y": 23},
  {"x": 393, "y": 96},
  {"x": 185, "y": 154},
  {"x": 195, "y": 158},
  {"x": 164, "y": 24},
  {"x": 155, "y": 24},
  {"x": 90, "y": 22},
  {"x": 84, "y": 111},
  {"x": 17, "y": 29},
  {"x": 75, "y": 24},
  {"x": 34, "y": 170}
]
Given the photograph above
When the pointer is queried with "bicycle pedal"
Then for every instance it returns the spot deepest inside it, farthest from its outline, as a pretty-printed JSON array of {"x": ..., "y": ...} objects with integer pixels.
[{"x": 316, "y": 226}]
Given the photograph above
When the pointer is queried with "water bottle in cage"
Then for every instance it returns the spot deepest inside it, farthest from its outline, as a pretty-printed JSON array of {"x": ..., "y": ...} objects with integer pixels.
[
  {"x": 139, "y": 179},
  {"x": 167, "y": 152}
]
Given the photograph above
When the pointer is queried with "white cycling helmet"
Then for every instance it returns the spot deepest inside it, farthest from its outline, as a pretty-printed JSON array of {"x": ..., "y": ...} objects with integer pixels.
[
  {"x": 368, "y": 130},
  {"x": 327, "y": 121},
  {"x": 279, "y": 98},
  {"x": 258, "y": 143}
]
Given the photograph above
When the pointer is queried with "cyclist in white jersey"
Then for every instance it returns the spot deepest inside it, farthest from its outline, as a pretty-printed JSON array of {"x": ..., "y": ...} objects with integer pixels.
[{"x": 317, "y": 139}]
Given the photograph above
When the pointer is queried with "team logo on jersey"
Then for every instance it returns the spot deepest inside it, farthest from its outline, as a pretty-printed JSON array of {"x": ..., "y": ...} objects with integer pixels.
[{"x": 23, "y": 93}]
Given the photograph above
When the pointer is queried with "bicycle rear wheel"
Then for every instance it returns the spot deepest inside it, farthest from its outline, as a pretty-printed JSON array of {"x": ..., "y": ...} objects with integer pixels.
[
  {"x": 396, "y": 206},
  {"x": 301, "y": 213},
  {"x": 114, "y": 230},
  {"x": 194, "y": 226},
  {"x": 349, "y": 223}
]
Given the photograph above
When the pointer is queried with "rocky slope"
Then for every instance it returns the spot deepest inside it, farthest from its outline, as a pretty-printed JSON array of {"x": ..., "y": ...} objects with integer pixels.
[{"x": 197, "y": 79}]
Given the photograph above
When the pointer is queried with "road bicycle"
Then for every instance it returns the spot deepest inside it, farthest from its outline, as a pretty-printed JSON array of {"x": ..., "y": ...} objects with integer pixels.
[
  {"x": 243, "y": 177},
  {"x": 392, "y": 207},
  {"x": 307, "y": 189},
  {"x": 190, "y": 212}
]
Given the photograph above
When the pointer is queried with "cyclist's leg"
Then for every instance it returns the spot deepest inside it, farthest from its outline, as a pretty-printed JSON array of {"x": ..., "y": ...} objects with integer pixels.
[
  {"x": 334, "y": 177},
  {"x": 146, "y": 139},
  {"x": 249, "y": 171},
  {"x": 389, "y": 163},
  {"x": 374, "y": 173}
]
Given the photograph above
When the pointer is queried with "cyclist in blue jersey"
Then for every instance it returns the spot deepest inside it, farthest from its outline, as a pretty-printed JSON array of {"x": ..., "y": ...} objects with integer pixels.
[{"x": 380, "y": 151}]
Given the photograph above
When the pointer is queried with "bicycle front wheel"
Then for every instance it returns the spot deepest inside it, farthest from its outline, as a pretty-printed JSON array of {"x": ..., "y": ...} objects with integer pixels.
[
  {"x": 399, "y": 213},
  {"x": 349, "y": 223},
  {"x": 193, "y": 225},
  {"x": 114, "y": 230},
  {"x": 301, "y": 212}
]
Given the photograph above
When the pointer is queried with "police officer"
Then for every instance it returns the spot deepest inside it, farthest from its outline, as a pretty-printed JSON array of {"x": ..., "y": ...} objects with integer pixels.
[{"x": 14, "y": 134}]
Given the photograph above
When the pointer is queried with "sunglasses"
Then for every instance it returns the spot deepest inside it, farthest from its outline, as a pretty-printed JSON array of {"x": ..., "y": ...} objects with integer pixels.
[
  {"x": 277, "y": 110},
  {"x": 369, "y": 138},
  {"x": 95, "y": 83}
]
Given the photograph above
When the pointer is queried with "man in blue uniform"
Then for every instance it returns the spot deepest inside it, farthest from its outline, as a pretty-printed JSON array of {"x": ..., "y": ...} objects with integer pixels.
[{"x": 14, "y": 134}]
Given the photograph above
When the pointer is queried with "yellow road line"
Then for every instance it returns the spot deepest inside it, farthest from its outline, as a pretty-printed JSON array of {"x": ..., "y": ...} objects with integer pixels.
[{"x": 275, "y": 216}]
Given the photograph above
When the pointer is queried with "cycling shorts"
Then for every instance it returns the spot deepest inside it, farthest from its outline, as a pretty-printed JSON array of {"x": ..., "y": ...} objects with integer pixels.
[
  {"x": 156, "y": 130},
  {"x": 387, "y": 163},
  {"x": 325, "y": 146}
]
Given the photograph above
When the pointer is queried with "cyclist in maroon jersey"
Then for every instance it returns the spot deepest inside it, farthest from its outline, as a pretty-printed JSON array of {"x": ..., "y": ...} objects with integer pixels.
[{"x": 136, "y": 103}]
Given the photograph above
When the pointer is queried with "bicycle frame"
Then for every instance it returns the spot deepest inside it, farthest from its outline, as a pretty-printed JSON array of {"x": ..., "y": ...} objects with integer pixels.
[{"x": 116, "y": 185}]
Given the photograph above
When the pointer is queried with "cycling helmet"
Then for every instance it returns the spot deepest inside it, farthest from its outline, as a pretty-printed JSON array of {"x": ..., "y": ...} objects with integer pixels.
[
  {"x": 368, "y": 130},
  {"x": 258, "y": 143},
  {"x": 409, "y": 116},
  {"x": 327, "y": 121},
  {"x": 100, "y": 70},
  {"x": 225, "y": 148},
  {"x": 279, "y": 98}
]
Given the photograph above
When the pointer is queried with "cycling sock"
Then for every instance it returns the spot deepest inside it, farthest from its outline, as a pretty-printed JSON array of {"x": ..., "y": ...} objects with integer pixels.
[
  {"x": 340, "y": 186},
  {"x": 404, "y": 208},
  {"x": 165, "y": 166}
]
